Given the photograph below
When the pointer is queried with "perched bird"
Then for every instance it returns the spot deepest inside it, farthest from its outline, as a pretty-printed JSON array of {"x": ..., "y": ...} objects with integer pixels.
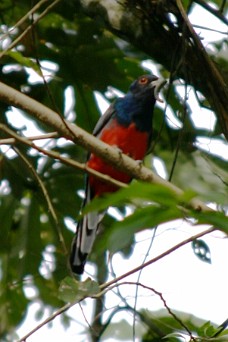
[{"x": 127, "y": 125}]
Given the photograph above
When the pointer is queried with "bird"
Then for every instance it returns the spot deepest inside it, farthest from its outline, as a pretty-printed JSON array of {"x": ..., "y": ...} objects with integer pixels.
[{"x": 126, "y": 125}]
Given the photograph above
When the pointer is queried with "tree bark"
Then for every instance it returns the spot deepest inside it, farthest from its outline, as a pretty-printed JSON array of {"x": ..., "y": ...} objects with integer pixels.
[
  {"x": 72, "y": 132},
  {"x": 146, "y": 25}
]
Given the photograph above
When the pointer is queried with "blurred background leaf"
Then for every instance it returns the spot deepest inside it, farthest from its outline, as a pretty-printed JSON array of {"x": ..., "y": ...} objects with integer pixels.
[{"x": 85, "y": 55}]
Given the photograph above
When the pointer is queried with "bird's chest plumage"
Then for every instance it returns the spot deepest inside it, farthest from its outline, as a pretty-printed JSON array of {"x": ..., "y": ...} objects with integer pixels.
[{"x": 130, "y": 141}]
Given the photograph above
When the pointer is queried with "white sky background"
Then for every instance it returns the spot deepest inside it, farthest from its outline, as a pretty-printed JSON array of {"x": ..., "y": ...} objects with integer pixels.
[{"x": 186, "y": 283}]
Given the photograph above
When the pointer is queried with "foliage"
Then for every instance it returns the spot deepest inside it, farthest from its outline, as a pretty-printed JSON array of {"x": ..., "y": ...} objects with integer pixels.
[{"x": 88, "y": 54}]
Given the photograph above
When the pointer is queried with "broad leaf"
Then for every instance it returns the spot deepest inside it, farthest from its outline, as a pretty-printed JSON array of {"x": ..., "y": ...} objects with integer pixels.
[{"x": 71, "y": 290}]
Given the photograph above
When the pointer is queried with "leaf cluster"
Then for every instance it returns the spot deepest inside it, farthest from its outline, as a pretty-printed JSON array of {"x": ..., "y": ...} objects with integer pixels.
[{"x": 87, "y": 56}]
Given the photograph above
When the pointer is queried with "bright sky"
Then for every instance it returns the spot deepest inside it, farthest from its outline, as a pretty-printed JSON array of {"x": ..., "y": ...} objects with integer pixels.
[{"x": 186, "y": 283}]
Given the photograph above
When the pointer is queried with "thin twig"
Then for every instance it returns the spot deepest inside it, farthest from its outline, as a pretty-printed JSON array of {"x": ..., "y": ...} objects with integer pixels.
[
  {"x": 198, "y": 42},
  {"x": 23, "y": 19},
  {"x": 114, "y": 282},
  {"x": 49, "y": 319},
  {"x": 222, "y": 6},
  {"x": 49, "y": 93},
  {"x": 59, "y": 312},
  {"x": 209, "y": 29},
  {"x": 160, "y": 256},
  {"x": 11, "y": 141},
  {"x": 180, "y": 136},
  {"x": 164, "y": 302},
  {"x": 83, "y": 314},
  {"x": 67, "y": 161},
  {"x": 99, "y": 305},
  {"x": 19, "y": 38},
  {"x": 109, "y": 153},
  {"x": 215, "y": 12},
  {"x": 139, "y": 275},
  {"x": 216, "y": 86},
  {"x": 46, "y": 196}
]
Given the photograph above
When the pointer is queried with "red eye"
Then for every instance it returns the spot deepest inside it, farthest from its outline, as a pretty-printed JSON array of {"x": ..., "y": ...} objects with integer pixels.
[{"x": 143, "y": 80}]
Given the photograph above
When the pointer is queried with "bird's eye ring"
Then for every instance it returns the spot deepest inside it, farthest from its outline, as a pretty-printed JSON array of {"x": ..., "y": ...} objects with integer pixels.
[{"x": 143, "y": 80}]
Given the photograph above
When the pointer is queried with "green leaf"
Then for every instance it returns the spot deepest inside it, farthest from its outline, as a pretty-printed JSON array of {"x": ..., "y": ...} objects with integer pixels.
[
  {"x": 175, "y": 335},
  {"x": 137, "y": 193},
  {"x": 25, "y": 61},
  {"x": 71, "y": 290},
  {"x": 201, "y": 250},
  {"x": 120, "y": 233},
  {"x": 90, "y": 57},
  {"x": 13, "y": 305},
  {"x": 202, "y": 175},
  {"x": 217, "y": 219},
  {"x": 206, "y": 330},
  {"x": 86, "y": 108},
  {"x": 8, "y": 206}
]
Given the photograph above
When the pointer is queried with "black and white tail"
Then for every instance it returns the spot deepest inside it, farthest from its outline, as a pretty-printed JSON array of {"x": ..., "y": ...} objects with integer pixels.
[{"x": 84, "y": 239}]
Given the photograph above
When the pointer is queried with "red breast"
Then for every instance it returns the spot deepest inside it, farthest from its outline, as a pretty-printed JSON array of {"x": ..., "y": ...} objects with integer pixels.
[{"x": 130, "y": 141}]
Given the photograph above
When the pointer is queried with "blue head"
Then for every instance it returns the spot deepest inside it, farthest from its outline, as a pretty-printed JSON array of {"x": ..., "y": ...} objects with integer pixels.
[{"x": 138, "y": 104}]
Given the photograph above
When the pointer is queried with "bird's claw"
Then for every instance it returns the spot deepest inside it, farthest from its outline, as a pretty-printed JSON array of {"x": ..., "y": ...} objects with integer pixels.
[{"x": 140, "y": 163}]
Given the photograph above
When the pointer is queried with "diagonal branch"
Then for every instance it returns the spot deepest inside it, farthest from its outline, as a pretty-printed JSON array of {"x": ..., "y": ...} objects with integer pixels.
[
  {"x": 115, "y": 282},
  {"x": 217, "y": 13},
  {"x": 170, "y": 311},
  {"x": 146, "y": 26},
  {"x": 11, "y": 141},
  {"x": 56, "y": 155},
  {"x": 89, "y": 142},
  {"x": 25, "y": 32},
  {"x": 47, "y": 198},
  {"x": 159, "y": 257},
  {"x": 216, "y": 86}
]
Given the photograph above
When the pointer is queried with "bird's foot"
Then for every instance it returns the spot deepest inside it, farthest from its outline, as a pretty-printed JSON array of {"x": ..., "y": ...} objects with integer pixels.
[{"x": 140, "y": 164}]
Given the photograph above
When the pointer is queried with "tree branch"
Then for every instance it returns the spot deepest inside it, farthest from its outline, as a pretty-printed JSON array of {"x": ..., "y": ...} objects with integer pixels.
[
  {"x": 217, "y": 13},
  {"x": 12, "y": 141},
  {"x": 216, "y": 85},
  {"x": 79, "y": 136},
  {"x": 47, "y": 198},
  {"x": 22, "y": 20},
  {"x": 25, "y": 32},
  {"x": 159, "y": 257},
  {"x": 175, "y": 317},
  {"x": 49, "y": 319},
  {"x": 55, "y": 155},
  {"x": 146, "y": 25},
  {"x": 114, "y": 282}
]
